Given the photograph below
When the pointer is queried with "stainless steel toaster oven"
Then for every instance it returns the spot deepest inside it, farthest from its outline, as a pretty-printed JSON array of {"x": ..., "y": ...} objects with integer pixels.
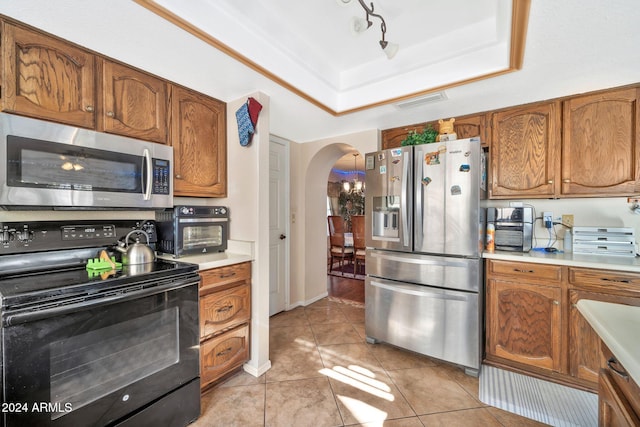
[{"x": 514, "y": 228}]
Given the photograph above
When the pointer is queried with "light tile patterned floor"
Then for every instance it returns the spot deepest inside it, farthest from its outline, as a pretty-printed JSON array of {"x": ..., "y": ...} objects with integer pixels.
[{"x": 325, "y": 374}]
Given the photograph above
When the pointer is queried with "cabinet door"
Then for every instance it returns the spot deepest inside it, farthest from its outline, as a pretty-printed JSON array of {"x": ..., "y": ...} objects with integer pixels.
[
  {"x": 198, "y": 136},
  {"x": 524, "y": 151},
  {"x": 472, "y": 126},
  {"x": 392, "y": 138},
  {"x": 600, "y": 144},
  {"x": 133, "y": 103},
  {"x": 584, "y": 343},
  {"x": 614, "y": 410},
  {"x": 47, "y": 78},
  {"x": 223, "y": 353},
  {"x": 524, "y": 323}
]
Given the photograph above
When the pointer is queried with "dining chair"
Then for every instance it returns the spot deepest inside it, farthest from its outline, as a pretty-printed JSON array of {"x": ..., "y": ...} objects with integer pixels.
[
  {"x": 336, "y": 238},
  {"x": 357, "y": 227}
]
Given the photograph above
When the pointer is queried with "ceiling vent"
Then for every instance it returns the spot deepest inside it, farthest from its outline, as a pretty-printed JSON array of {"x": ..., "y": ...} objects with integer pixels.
[{"x": 427, "y": 99}]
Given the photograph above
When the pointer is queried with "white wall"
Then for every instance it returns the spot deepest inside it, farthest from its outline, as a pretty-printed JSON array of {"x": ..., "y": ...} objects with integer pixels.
[
  {"x": 311, "y": 165},
  {"x": 590, "y": 212}
]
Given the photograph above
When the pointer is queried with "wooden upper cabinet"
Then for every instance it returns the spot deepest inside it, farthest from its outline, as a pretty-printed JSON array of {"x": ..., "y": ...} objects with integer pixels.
[
  {"x": 198, "y": 136},
  {"x": 472, "y": 126},
  {"x": 525, "y": 151},
  {"x": 133, "y": 103},
  {"x": 392, "y": 138},
  {"x": 600, "y": 144},
  {"x": 46, "y": 78},
  {"x": 465, "y": 127}
]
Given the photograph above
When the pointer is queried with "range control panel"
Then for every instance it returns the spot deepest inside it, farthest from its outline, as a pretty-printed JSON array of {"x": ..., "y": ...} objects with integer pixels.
[{"x": 54, "y": 235}]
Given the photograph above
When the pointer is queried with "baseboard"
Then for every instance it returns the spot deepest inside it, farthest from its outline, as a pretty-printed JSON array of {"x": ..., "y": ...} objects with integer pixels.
[{"x": 256, "y": 372}]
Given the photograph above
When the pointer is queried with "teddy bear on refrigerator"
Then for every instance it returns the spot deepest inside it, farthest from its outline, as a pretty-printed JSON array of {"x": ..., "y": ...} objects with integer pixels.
[{"x": 446, "y": 130}]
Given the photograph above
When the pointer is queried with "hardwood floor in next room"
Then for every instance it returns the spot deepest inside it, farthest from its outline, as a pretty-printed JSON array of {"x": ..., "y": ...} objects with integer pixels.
[{"x": 324, "y": 373}]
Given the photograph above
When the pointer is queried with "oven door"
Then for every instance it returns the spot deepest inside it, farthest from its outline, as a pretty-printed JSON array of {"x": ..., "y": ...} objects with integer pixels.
[
  {"x": 98, "y": 362},
  {"x": 202, "y": 235}
]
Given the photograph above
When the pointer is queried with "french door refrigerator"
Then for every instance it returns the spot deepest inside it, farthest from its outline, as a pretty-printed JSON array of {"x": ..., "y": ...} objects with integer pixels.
[{"x": 424, "y": 236}]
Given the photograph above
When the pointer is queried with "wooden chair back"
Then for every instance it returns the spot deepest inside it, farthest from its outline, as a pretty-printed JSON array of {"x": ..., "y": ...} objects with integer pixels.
[{"x": 357, "y": 227}]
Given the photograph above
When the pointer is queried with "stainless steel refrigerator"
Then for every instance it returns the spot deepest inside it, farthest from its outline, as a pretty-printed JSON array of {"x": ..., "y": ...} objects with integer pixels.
[{"x": 424, "y": 235}]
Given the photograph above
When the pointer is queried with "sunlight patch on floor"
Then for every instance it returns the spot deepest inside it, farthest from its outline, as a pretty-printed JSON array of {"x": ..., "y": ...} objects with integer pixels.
[
  {"x": 363, "y": 383},
  {"x": 363, "y": 412}
]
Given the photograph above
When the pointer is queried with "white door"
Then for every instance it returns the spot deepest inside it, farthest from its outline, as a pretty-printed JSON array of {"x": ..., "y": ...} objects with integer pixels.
[{"x": 278, "y": 225}]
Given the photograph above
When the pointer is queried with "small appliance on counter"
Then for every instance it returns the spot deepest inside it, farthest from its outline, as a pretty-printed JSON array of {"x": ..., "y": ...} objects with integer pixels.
[
  {"x": 513, "y": 228},
  {"x": 191, "y": 230},
  {"x": 620, "y": 241}
]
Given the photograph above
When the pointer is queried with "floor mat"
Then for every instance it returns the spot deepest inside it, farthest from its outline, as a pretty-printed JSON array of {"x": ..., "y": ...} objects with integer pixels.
[{"x": 543, "y": 401}]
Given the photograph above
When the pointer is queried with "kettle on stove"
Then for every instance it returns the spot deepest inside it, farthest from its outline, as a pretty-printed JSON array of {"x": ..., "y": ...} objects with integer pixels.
[{"x": 138, "y": 253}]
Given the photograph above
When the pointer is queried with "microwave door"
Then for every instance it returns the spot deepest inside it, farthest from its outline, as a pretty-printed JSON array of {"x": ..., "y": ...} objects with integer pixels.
[{"x": 51, "y": 165}]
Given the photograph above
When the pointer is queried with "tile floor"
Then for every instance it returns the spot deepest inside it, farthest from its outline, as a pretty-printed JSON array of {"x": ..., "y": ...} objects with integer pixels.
[{"x": 324, "y": 374}]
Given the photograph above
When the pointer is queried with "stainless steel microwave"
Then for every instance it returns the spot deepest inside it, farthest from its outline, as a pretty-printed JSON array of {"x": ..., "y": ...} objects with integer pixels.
[
  {"x": 191, "y": 230},
  {"x": 49, "y": 165}
]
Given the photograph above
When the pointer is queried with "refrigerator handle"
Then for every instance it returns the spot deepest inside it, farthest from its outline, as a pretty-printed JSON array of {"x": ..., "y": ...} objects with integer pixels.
[
  {"x": 403, "y": 200},
  {"x": 419, "y": 208}
]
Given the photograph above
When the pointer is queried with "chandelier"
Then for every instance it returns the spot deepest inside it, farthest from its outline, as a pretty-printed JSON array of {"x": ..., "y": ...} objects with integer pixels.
[
  {"x": 357, "y": 186},
  {"x": 359, "y": 25}
]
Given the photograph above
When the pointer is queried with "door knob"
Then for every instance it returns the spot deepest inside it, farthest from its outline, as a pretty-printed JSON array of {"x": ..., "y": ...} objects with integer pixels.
[{"x": 282, "y": 237}]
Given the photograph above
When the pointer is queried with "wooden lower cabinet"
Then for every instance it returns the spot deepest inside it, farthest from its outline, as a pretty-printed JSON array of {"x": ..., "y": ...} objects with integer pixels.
[
  {"x": 225, "y": 314},
  {"x": 534, "y": 326},
  {"x": 618, "y": 394},
  {"x": 222, "y": 354},
  {"x": 524, "y": 323}
]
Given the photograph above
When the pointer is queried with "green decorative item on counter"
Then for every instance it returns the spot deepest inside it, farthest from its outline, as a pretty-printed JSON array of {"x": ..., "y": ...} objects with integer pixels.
[{"x": 427, "y": 136}]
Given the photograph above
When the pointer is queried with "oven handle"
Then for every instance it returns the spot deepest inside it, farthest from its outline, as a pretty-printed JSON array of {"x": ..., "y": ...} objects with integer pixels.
[{"x": 32, "y": 316}]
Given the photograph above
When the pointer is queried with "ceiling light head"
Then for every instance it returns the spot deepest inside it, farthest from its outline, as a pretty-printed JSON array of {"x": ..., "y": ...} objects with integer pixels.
[
  {"x": 390, "y": 49},
  {"x": 359, "y": 25}
]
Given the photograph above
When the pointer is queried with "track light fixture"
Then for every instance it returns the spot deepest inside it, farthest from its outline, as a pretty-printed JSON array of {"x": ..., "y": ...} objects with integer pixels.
[{"x": 361, "y": 25}]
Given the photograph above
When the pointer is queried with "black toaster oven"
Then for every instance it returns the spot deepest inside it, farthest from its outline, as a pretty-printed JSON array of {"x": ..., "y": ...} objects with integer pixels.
[{"x": 190, "y": 230}]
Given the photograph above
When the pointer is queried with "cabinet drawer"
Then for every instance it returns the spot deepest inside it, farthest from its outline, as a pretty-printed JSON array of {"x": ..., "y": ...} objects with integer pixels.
[
  {"x": 605, "y": 279},
  {"x": 219, "y": 277},
  {"x": 224, "y": 309},
  {"x": 220, "y": 355},
  {"x": 529, "y": 271}
]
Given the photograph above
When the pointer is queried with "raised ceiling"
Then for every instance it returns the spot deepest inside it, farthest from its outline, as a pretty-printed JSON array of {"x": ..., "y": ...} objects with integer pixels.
[{"x": 309, "y": 46}]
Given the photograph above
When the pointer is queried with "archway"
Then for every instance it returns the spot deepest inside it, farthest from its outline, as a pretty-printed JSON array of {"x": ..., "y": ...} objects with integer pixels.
[{"x": 315, "y": 214}]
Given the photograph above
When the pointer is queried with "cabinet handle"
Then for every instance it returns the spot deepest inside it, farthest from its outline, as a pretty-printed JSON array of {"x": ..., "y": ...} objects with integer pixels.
[
  {"x": 224, "y": 309},
  {"x": 224, "y": 352},
  {"x": 178, "y": 176},
  {"x": 610, "y": 364},
  {"x": 226, "y": 276},
  {"x": 566, "y": 181},
  {"x": 556, "y": 302},
  {"x": 110, "y": 113},
  {"x": 604, "y": 279},
  {"x": 89, "y": 108},
  {"x": 550, "y": 181},
  {"x": 523, "y": 271}
]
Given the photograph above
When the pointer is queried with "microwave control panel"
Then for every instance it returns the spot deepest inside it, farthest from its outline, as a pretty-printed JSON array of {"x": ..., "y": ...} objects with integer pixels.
[{"x": 161, "y": 177}]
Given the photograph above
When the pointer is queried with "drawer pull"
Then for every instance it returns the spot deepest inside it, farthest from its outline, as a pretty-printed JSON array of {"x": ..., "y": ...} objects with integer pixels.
[
  {"x": 226, "y": 276},
  {"x": 224, "y": 352},
  {"x": 615, "y": 280},
  {"x": 523, "y": 271},
  {"x": 224, "y": 309},
  {"x": 611, "y": 362}
]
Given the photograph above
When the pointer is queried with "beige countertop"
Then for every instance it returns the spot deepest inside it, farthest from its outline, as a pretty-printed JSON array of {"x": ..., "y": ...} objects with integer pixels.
[
  {"x": 238, "y": 251},
  {"x": 617, "y": 325},
  {"x": 618, "y": 263}
]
